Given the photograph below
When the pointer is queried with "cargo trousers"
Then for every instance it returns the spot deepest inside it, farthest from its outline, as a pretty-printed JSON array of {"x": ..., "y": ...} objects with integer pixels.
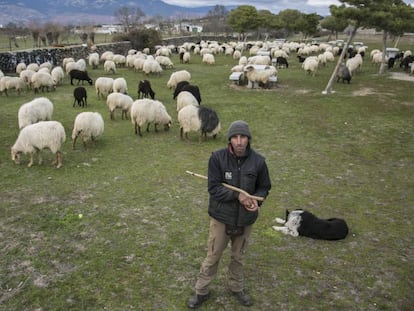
[{"x": 217, "y": 243}]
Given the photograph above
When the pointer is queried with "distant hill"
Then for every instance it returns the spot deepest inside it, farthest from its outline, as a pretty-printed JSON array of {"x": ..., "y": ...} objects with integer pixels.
[{"x": 79, "y": 12}]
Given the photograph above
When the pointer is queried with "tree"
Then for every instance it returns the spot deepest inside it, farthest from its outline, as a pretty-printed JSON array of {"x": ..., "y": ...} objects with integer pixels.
[
  {"x": 334, "y": 24},
  {"x": 308, "y": 24},
  {"x": 268, "y": 21},
  {"x": 129, "y": 16},
  {"x": 289, "y": 19},
  {"x": 243, "y": 19},
  {"x": 389, "y": 15}
]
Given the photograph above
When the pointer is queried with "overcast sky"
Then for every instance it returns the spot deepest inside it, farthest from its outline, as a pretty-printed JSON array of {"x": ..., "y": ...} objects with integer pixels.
[{"x": 275, "y": 6}]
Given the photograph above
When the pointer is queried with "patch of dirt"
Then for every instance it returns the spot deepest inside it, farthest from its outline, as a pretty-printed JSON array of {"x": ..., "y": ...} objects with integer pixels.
[
  {"x": 401, "y": 76},
  {"x": 363, "y": 92}
]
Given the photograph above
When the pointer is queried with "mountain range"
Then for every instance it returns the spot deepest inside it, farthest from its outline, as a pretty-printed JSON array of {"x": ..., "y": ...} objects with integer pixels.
[{"x": 80, "y": 12}]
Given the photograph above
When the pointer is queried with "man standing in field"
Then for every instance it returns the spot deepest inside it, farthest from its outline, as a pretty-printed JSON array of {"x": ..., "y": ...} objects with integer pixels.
[{"x": 232, "y": 213}]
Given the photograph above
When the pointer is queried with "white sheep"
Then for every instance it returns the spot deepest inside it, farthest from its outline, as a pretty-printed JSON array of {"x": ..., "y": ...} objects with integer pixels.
[
  {"x": 139, "y": 63},
  {"x": 121, "y": 101},
  {"x": 178, "y": 76},
  {"x": 208, "y": 59},
  {"x": 259, "y": 75},
  {"x": 243, "y": 60},
  {"x": 164, "y": 61},
  {"x": 147, "y": 111},
  {"x": 15, "y": 83},
  {"x": 33, "y": 66},
  {"x": 107, "y": 55},
  {"x": 20, "y": 67},
  {"x": 47, "y": 65},
  {"x": 39, "y": 109},
  {"x": 186, "y": 57},
  {"x": 93, "y": 60},
  {"x": 151, "y": 66},
  {"x": 354, "y": 63},
  {"x": 185, "y": 98},
  {"x": 119, "y": 60},
  {"x": 120, "y": 86},
  {"x": 42, "y": 80},
  {"x": 57, "y": 74},
  {"x": 26, "y": 75},
  {"x": 71, "y": 66},
  {"x": 89, "y": 126},
  {"x": 36, "y": 137},
  {"x": 104, "y": 86},
  {"x": 109, "y": 66},
  {"x": 259, "y": 60},
  {"x": 3, "y": 81},
  {"x": 200, "y": 118},
  {"x": 310, "y": 65},
  {"x": 66, "y": 61}
]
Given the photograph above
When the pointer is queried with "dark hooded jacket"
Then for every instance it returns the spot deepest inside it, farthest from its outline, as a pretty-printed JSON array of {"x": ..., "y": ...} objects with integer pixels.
[{"x": 249, "y": 173}]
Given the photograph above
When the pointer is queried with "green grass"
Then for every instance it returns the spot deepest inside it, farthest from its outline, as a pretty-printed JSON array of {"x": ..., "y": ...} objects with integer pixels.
[{"x": 143, "y": 233}]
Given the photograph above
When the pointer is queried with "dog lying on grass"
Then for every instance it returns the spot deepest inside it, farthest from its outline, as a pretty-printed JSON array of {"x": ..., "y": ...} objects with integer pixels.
[{"x": 304, "y": 223}]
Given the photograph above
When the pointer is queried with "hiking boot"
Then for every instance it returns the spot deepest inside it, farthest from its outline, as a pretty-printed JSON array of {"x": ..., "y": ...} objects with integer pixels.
[
  {"x": 197, "y": 300},
  {"x": 243, "y": 298}
]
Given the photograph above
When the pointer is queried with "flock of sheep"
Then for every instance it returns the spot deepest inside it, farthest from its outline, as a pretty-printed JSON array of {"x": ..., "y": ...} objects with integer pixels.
[{"x": 38, "y": 132}]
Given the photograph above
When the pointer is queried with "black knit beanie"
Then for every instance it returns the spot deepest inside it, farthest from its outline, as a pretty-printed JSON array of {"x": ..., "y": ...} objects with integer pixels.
[{"x": 239, "y": 127}]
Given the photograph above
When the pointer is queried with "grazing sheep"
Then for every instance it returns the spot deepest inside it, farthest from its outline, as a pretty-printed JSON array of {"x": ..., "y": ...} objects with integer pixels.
[
  {"x": 89, "y": 126},
  {"x": 3, "y": 81},
  {"x": 208, "y": 59},
  {"x": 186, "y": 86},
  {"x": 57, "y": 74},
  {"x": 343, "y": 74},
  {"x": 36, "y": 137},
  {"x": 33, "y": 66},
  {"x": 80, "y": 76},
  {"x": 145, "y": 90},
  {"x": 151, "y": 66},
  {"x": 185, "y": 98},
  {"x": 175, "y": 77},
  {"x": 260, "y": 76},
  {"x": 80, "y": 96},
  {"x": 26, "y": 75},
  {"x": 20, "y": 67},
  {"x": 104, "y": 86},
  {"x": 203, "y": 119},
  {"x": 310, "y": 65},
  {"x": 109, "y": 66},
  {"x": 71, "y": 66},
  {"x": 93, "y": 60},
  {"x": 120, "y": 86},
  {"x": 281, "y": 62},
  {"x": 39, "y": 109},
  {"x": 15, "y": 83},
  {"x": 121, "y": 101},
  {"x": 119, "y": 60},
  {"x": 165, "y": 62},
  {"x": 42, "y": 81},
  {"x": 354, "y": 63},
  {"x": 147, "y": 111},
  {"x": 186, "y": 58},
  {"x": 107, "y": 55},
  {"x": 259, "y": 60}
]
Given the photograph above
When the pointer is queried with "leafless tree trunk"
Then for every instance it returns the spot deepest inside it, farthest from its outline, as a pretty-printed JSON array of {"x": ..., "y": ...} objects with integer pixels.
[
  {"x": 328, "y": 88},
  {"x": 384, "y": 52}
]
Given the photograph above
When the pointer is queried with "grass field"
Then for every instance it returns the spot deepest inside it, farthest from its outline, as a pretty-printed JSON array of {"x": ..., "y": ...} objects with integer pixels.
[{"x": 144, "y": 228}]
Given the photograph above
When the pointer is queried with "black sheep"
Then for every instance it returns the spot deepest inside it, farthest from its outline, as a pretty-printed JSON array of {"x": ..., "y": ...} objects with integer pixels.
[
  {"x": 186, "y": 86},
  {"x": 144, "y": 88},
  {"x": 209, "y": 121},
  {"x": 80, "y": 76},
  {"x": 282, "y": 62},
  {"x": 344, "y": 74},
  {"x": 301, "y": 59},
  {"x": 80, "y": 96}
]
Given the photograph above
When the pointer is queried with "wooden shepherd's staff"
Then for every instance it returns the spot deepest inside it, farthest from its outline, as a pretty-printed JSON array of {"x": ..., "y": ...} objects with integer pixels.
[{"x": 229, "y": 187}]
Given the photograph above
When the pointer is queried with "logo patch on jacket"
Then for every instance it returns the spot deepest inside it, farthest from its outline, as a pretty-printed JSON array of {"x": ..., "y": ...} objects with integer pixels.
[{"x": 228, "y": 175}]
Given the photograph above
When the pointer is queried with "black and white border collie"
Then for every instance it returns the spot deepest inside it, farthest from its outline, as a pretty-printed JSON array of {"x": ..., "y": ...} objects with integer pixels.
[{"x": 304, "y": 223}]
